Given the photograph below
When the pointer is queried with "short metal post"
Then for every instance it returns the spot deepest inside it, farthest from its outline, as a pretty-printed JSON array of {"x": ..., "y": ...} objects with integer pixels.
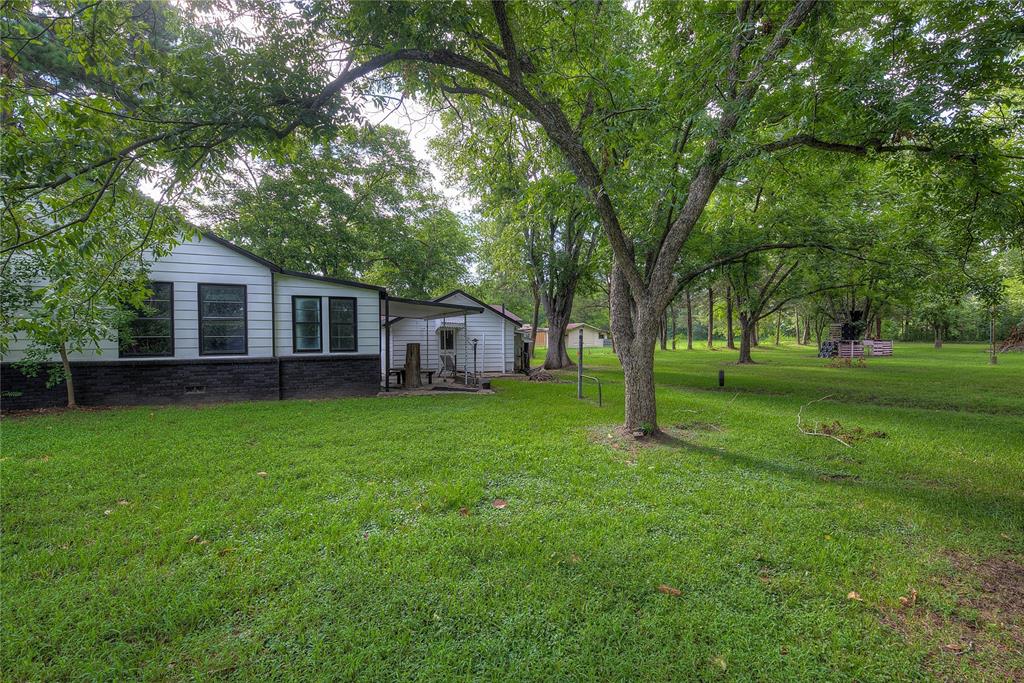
[
  {"x": 579, "y": 367},
  {"x": 721, "y": 378}
]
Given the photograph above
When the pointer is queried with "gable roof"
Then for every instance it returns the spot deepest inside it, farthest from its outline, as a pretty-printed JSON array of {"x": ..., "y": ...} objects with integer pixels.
[
  {"x": 573, "y": 326},
  {"x": 508, "y": 315},
  {"x": 284, "y": 271}
]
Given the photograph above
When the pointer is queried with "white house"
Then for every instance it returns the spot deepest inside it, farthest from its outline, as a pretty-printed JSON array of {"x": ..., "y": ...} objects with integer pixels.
[
  {"x": 224, "y": 324},
  {"x": 593, "y": 337},
  {"x": 498, "y": 341}
]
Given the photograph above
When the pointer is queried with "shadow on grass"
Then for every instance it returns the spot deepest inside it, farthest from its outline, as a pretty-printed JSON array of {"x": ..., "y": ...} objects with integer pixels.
[
  {"x": 855, "y": 397},
  {"x": 992, "y": 511}
]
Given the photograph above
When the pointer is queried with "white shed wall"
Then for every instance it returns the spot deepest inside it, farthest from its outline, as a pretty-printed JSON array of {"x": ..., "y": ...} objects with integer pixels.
[
  {"x": 591, "y": 338},
  {"x": 495, "y": 335}
]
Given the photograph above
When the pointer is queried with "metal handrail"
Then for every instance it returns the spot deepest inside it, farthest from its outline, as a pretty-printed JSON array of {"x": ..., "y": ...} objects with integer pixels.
[{"x": 598, "y": 381}]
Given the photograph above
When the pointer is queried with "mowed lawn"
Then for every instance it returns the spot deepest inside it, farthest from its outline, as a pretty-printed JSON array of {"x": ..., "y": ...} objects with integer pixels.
[{"x": 146, "y": 544}]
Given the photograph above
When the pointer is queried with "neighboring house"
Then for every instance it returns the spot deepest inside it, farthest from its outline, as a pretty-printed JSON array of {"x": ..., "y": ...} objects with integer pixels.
[
  {"x": 592, "y": 336},
  {"x": 229, "y": 325},
  {"x": 495, "y": 329}
]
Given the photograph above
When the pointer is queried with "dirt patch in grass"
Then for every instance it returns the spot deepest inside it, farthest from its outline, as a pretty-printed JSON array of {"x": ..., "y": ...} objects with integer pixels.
[
  {"x": 542, "y": 375},
  {"x": 56, "y": 410},
  {"x": 697, "y": 426},
  {"x": 850, "y": 434},
  {"x": 839, "y": 476},
  {"x": 630, "y": 444},
  {"x": 984, "y": 632}
]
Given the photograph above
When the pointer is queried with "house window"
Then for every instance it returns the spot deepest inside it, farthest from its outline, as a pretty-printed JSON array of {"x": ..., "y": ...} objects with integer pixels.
[
  {"x": 222, "y": 320},
  {"x": 307, "y": 332},
  {"x": 447, "y": 340},
  {"x": 342, "y": 320},
  {"x": 151, "y": 332}
]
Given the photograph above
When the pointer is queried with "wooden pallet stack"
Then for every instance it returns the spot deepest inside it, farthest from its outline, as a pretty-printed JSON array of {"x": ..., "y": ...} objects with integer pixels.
[
  {"x": 837, "y": 347},
  {"x": 1013, "y": 342},
  {"x": 879, "y": 347},
  {"x": 851, "y": 349}
]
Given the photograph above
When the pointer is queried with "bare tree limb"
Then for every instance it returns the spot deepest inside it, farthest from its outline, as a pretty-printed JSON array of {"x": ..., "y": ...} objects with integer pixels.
[{"x": 815, "y": 432}]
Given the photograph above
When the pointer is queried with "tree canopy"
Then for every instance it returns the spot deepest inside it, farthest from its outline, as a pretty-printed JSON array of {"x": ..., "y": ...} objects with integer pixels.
[{"x": 357, "y": 206}]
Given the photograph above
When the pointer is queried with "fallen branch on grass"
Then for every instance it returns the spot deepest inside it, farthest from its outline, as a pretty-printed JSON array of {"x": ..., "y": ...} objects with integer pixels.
[{"x": 815, "y": 431}]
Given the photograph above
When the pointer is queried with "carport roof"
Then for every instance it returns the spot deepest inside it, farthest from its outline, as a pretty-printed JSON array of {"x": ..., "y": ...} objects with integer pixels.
[{"x": 400, "y": 307}]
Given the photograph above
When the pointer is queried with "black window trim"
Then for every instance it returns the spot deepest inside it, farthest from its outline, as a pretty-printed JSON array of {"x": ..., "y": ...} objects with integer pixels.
[
  {"x": 245, "y": 317},
  {"x": 355, "y": 324},
  {"x": 121, "y": 352},
  {"x": 320, "y": 337}
]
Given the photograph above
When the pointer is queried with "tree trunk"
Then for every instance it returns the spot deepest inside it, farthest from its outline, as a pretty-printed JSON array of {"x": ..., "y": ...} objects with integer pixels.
[
  {"x": 746, "y": 336},
  {"x": 711, "y": 318},
  {"x": 557, "y": 355},
  {"x": 778, "y": 328},
  {"x": 558, "y": 306},
  {"x": 663, "y": 332},
  {"x": 807, "y": 330},
  {"x": 412, "y": 366},
  {"x": 730, "y": 340},
  {"x": 878, "y": 327},
  {"x": 938, "y": 336},
  {"x": 635, "y": 325},
  {"x": 69, "y": 381},
  {"x": 754, "y": 340},
  {"x": 608, "y": 300},
  {"x": 536, "y": 321},
  {"x": 689, "y": 322},
  {"x": 673, "y": 309},
  {"x": 641, "y": 409},
  {"x": 796, "y": 329},
  {"x": 993, "y": 359}
]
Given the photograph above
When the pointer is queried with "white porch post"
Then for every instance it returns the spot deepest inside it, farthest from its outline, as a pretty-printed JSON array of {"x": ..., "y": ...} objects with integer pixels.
[
  {"x": 387, "y": 343},
  {"x": 465, "y": 348}
]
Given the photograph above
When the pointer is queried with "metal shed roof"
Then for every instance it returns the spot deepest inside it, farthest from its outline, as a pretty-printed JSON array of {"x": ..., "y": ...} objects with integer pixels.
[{"x": 400, "y": 307}]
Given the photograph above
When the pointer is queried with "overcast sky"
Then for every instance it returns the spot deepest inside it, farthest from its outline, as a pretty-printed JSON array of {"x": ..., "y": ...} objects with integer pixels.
[{"x": 421, "y": 125}]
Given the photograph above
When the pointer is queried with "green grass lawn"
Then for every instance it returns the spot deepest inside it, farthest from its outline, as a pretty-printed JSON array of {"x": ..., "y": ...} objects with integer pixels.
[{"x": 145, "y": 544}]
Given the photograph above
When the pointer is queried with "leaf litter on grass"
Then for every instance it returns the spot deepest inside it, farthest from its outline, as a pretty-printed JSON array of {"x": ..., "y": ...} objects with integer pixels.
[{"x": 985, "y": 628}]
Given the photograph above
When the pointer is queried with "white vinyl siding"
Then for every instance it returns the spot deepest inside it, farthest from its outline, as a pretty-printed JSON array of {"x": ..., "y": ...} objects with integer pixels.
[
  {"x": 494, "y": 335},
  {"x": 203, "y": 261},
  {"x": 189, "y": 264},
  {"x": 422, "y": 332},
  {"x": 367, "y": 313}
]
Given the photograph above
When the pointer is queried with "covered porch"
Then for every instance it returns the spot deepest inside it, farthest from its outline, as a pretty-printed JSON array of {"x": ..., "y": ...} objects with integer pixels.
[{"x": 443, "y": 346}]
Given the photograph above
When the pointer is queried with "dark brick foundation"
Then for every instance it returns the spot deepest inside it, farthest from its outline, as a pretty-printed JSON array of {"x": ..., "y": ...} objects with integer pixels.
[
  {"x": 324, "y": 376},
  {"x": 138, "y": 382}
]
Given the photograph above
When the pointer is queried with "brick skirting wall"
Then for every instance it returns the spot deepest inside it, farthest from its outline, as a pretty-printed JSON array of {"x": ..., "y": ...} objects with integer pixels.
[
  {"x": 144, "y": 382},
  {"x": 325, "y": 376}
]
